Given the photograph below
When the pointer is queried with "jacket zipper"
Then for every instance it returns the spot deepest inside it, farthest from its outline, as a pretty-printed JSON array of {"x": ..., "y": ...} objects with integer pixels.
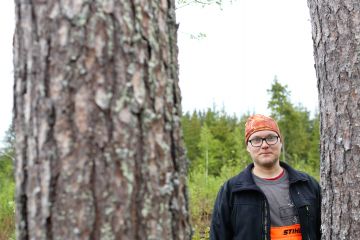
[
  {"x": 265, "y": 220},
  {"x": 308, "y": 218}
]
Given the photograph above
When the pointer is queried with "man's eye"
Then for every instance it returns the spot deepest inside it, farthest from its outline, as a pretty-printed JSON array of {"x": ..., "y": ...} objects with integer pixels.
[{"x": 256, "y": 140}]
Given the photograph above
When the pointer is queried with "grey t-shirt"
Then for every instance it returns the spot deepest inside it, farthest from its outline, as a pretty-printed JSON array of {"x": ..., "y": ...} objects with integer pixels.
[{"x": 282, "y": 209}]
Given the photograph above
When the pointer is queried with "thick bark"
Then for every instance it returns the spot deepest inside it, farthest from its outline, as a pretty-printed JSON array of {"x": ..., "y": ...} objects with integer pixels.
[
  {"x": 99, "y": 153},
  {"x": 336, "y": 38}
]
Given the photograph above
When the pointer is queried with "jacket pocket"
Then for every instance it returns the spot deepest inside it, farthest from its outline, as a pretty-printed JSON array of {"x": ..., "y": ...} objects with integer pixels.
[{"x": 312, "y": 209}]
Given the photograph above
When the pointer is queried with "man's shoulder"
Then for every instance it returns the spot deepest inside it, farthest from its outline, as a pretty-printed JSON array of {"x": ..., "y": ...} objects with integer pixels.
[
  {"x": 243, "y": 178},
  {"x": 307, "y": 176},
  {"x": 308, "y": 179},
  {"x": 297, "y": 175}
]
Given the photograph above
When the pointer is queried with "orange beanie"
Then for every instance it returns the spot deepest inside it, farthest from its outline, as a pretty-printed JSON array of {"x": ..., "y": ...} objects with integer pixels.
[{"x": 260, "y": 122}]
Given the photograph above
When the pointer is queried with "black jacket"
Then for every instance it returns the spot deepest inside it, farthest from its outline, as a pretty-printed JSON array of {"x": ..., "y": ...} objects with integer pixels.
[{"x": 241, "y": 210}]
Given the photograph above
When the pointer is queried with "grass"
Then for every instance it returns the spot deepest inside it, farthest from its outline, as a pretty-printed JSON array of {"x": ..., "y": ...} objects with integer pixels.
[
  {"x": 7, "y": 204},
  {"x": 203, "y": 192}
]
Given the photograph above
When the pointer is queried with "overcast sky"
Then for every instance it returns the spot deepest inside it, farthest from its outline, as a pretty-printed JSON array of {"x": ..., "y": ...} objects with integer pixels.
[
  {"x": 7, "y": 25},
  {"x": 246, "y": 45}
]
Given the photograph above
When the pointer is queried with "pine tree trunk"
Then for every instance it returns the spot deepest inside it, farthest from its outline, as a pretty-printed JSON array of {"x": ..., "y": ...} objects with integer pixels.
[
  {"x": 336, "y": 38},
  {"x": 99, "y": 152}
]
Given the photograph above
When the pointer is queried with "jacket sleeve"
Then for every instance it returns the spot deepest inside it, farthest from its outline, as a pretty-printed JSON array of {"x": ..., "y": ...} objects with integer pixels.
[{"x": 221, "y": 227}]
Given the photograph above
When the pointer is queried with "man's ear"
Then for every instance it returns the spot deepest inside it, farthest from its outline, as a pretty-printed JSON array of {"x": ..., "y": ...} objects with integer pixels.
[{"x": 247, "y": 148}]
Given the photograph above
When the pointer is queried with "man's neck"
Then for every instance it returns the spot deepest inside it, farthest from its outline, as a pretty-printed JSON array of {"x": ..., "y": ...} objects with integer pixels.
[{"x": 264, "y": 172}]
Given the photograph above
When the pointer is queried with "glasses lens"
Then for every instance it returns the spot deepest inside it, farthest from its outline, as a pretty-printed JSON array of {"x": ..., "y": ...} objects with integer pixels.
[
  {"x": 256, "y": 142},
  {"x": 271, "y": 140}
]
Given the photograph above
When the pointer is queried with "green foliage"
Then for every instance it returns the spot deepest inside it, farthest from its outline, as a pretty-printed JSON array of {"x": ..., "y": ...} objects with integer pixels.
[
  {"x": 7, "y": 188},
  {"x": 210, "y": 149},
  {"x": 203, "y": 3},
  {"x": 191, "y": 127},
  {"x": 214, "y": 138},
  {"x": 202, "y": 196},
  {"x": 300, "y": 133},
  {"x": 7, "y": 207},
  {"x": 198, "y": 36}
]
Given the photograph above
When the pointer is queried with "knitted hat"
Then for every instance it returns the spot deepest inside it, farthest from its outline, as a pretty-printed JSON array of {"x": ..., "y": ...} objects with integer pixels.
[{"x": 260, "y": 122}]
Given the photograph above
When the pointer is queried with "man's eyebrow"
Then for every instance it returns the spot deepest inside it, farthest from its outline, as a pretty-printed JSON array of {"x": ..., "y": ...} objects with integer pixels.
[{"x": 270, "y": 135}]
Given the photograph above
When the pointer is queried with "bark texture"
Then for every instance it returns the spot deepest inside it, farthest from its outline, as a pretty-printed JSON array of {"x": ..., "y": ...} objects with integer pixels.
[
  {"x": 336, "y": 39},
  {"x": 99, "y": 152}
]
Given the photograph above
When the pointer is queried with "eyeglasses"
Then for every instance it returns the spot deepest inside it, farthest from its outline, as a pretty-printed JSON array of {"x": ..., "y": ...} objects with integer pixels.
[{"x": 270, "y": 140}]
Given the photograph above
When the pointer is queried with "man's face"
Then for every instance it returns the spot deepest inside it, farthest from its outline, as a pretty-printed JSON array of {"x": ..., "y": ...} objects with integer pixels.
[{"x": 265, "y": 155}]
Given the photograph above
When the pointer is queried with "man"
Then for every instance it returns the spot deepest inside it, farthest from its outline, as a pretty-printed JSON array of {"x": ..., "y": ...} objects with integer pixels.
[{"x": 269, "y": 199}]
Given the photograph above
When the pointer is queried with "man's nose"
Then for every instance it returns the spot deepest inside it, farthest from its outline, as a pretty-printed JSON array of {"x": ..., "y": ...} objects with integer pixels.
[{"x": 264, "y": 144}]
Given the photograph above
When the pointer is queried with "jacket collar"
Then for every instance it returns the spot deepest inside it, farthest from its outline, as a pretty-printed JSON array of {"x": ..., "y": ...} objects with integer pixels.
[
  {"x": 245, "y": 181},
  {"x": 294, "y": 175}
]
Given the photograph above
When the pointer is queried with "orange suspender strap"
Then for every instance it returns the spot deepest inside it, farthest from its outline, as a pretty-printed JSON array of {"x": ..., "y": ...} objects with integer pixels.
[{"x": 292, "y": 232}]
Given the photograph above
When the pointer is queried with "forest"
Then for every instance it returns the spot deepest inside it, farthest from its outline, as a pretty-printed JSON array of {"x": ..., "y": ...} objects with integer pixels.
[{"x": 216, "y": 151}]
